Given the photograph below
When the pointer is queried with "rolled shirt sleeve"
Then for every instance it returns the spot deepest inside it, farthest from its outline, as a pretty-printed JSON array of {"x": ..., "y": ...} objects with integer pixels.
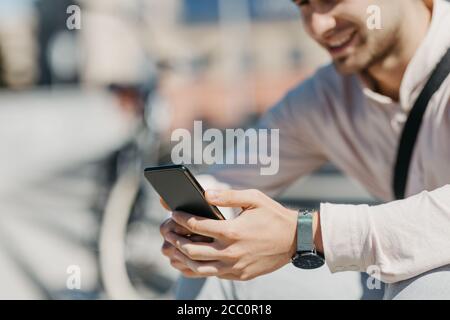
[{"x": 402, "y": 239}]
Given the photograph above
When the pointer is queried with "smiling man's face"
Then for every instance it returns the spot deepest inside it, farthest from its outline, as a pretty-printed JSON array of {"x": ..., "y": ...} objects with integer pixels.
[{"x": 340, "y": 26}]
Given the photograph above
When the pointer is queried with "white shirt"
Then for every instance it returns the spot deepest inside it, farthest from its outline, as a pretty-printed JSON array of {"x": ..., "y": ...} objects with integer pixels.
[{"x": 332, "y": 117}]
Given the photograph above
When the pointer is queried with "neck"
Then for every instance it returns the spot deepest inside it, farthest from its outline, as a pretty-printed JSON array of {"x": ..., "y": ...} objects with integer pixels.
[{"x": 386, "y": 76}]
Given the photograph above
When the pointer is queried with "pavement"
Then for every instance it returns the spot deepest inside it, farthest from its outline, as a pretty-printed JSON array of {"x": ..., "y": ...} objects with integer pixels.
[{"x": 51, "y": 141}]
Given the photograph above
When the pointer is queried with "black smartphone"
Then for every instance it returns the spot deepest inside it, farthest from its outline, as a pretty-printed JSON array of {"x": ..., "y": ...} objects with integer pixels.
[{"x": 178, "y": 187}]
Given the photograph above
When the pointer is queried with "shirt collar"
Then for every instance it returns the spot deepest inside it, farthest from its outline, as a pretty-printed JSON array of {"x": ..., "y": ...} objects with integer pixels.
[{"x": 427, "y": 56}]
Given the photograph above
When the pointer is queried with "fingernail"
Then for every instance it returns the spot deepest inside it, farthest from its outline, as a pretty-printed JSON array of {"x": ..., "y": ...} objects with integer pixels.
[{"x": 213, "y": 194}]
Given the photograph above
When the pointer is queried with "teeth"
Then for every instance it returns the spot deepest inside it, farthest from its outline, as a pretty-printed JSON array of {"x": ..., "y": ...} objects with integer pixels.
[{"x": 339, "y": 42}]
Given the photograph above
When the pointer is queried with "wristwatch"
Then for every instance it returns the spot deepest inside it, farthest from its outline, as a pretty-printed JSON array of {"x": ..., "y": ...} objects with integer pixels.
[{"x": 306, "y": 257}]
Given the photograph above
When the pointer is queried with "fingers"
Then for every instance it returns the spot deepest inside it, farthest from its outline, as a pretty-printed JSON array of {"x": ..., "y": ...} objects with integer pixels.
[
  {"x": 196, "y": 269},
  {"x": 199, "y": 238},
  {"x": 177, "y": 264},
  {"x": 189, "y": 267},
  {"x": 200, "y": 268},
  {"x": 188, "y": 273},
  {"x": 171, "y": 226},
  {"x": 199, "y": 225},
  {"x": 167, "y": 249},
  {"x": 235, "y": 198},
  {"x": 198, "y": 251}
]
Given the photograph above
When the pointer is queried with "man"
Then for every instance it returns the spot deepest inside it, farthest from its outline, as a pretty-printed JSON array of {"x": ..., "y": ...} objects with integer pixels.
[{"x": 351, "y": 113}]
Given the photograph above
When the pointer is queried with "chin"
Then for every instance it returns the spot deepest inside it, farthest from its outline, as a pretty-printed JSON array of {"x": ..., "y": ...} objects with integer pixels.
[
  {"x": 346, "y": 68},
  {"x": 349, "y": 65}
]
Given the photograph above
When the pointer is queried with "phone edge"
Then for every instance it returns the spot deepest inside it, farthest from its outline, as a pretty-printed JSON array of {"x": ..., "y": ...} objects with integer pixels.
[{"x": 191, "y": 178}]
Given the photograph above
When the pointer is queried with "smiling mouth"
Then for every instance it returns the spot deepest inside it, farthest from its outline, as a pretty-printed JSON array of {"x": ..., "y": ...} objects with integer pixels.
[{"x": 338, "y": 46}]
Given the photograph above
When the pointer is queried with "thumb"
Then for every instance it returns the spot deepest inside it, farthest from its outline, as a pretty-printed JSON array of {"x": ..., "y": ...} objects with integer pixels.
[{"x": 235, "y": 198}]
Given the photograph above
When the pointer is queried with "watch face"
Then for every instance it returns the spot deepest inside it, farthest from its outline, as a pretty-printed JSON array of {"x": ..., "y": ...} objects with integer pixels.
[{"x": 308, "y": 260}]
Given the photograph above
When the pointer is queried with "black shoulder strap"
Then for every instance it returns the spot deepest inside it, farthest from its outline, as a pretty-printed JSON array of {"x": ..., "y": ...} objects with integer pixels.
[{"x": 413, "y": 124}]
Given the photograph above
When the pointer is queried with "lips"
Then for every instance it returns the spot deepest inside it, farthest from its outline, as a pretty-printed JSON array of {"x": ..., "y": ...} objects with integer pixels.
[{"x": 339, "y": 44}]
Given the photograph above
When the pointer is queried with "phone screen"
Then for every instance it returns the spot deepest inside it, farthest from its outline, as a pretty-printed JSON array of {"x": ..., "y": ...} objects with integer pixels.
[{"x": 181, "y": 191}]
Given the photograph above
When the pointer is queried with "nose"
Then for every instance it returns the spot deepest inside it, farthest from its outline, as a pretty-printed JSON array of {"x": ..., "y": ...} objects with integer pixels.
[{"x": 321, "y": 24}]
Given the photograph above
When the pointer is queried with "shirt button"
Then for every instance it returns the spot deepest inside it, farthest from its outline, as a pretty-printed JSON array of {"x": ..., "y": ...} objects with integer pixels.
[{"x": 398, "y": 121}]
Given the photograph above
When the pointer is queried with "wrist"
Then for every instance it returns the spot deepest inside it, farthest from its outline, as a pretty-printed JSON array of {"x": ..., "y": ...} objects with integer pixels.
[{"x": 293, "y": 248}]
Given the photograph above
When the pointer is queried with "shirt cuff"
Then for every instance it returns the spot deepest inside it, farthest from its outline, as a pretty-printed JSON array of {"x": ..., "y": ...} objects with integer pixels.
[{"x": 345, "y": 229}]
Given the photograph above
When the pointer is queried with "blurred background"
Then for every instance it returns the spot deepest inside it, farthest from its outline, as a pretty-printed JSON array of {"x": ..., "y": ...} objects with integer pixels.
[{"x": 90, "y": 92}]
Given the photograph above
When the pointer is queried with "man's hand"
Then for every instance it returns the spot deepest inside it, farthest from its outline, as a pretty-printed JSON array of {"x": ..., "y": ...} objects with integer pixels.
[{"x": 261, "y": 240}]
